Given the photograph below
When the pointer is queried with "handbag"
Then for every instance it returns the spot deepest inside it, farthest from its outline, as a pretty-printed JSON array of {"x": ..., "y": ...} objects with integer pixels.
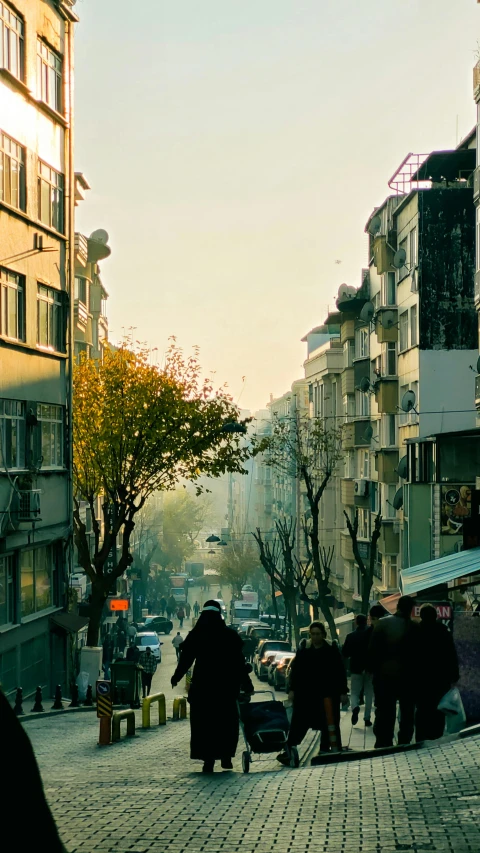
[{"x": 452, "y": 706}]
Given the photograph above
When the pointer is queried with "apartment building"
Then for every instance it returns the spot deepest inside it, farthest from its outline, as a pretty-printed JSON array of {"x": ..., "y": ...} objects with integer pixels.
[
  {"x": 37, "y": 188},
  {"x": 90, "y": 294}
]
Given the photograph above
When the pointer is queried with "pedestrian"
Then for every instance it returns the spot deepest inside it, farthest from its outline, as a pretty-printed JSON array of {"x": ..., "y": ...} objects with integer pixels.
[
  {"x": 39, "y": 829},
  {"x": 107, "y": 655},
  {"x": 196, "y": 609},
  {"x": 181, "y": 615},
  {"x": 437, "y": 671},
  {"x": 355, "y": 649},
  {"x": 376, "y": 613},
  {"x": 317, "y": 688},
  {"x": 149, "y": 664},
  {"x": 172, "y": 604},
  {"x": 176, "y": 643},
  {"x": 133, "y": 654},
  {"x": 391, "y": 659},
  {"x": 188, "y": 610},
  {"x": 163, "y": 605},
  {"x": 169, "y": 611},
  {"x": 219, "y": 674},
  {"x": 132, "y": 633},
  {"x": 121, "y": 638}
]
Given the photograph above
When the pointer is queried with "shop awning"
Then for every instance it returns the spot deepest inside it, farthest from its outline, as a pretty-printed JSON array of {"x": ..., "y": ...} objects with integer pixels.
[
  {"x": 390, "y": 602},
  {"x": 435, "y": 572},
  {"x": 70, "y": 622}
]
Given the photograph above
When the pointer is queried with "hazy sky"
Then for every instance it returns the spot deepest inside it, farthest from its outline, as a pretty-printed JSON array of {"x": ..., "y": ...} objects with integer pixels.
[{"x": 235, "y": 149}]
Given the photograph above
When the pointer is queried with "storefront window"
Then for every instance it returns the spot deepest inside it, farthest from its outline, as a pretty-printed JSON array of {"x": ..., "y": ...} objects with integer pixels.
[{"x": 36, "y": 580}]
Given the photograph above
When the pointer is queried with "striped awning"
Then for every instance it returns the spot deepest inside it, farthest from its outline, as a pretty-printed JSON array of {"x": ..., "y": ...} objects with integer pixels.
[{"x": 445, "y": 569}]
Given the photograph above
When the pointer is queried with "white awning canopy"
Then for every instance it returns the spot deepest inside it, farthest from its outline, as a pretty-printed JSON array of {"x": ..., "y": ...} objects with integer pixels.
[{"x": 425, "y": 575}]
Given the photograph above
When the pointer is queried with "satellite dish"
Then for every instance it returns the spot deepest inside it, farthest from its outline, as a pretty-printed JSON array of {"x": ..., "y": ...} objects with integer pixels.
[
  {"x": 368, "y": 434},
  {"x": 364, "y": 384},
  {"x": 399, "y": 259},
  {"x": 98, "y": 248},
  {"x": 387, "y": 319},
  {"x": 398, "y": 499},
  {"x": 375, "y": 225},
  {"x": 100, "y": 236},
  {"x": 351, "y": 291},
  {"x": 342, "y": 291},
  {"x": 402, "y": 468},
  {"x": 367, "y": 312},
  {"x": 408, "y": 401}
]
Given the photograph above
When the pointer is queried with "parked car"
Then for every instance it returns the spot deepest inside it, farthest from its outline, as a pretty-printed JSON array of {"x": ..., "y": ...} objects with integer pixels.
[
  {"x": 274, "y": 659},
  {"x": 271, "y": 620},
  {"x": 149, "y": 639},
  {"x": 263, "y": 649},
  {"x": 280, "y": 672},
  {"x": 159, "y": 624},
  {"x": 250, "y": 623}
]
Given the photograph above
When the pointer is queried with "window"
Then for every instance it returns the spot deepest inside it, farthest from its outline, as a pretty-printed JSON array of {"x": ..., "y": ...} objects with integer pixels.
[
  {"x": 362, "y": 401},
  {"x": 12, "y": 172},
  {"x": 362, "y": 343},
  {"x": 404, "y": 331},
  {"x": 376, "y": 300},
  {"x": 37, "y": 580},
  {"x": 403, "y": 271},
  {"x": 7, "y": 591},
  {"x": 349, "y": 464},
  {"x": 403, "y": 415},
  {"x": 103, "y": 307},
  {"x": 413, "y": 326},
  {"x": 12, "y": 305},
  {"x": 374, "y": 497},
  {"x": 12, "y": 434},
  {"x": 50, "y": 318},
  {"x": 389, "y": 296},
  {"x": 477, "y": 241},
  {"x": 363, "y": 461},
  {"x": 389, "y": 359},
  {"x": 50, "y": 196},
  {"x": 392, "y": 573},
  {"x": 50, "y": 420},
  {"x": 81, "y": 290},
  {"x": 49, "y": 76},
  {"x": 363, "y": 523},
  {"x": 413, "y": 248},
  {"x": 349, "y": 406},
  {"x": 388, "y": 492},
  {"x": 389, "y": 431},
  {"x": 348, "y": 353},
  {"x": 11, "y": 42}
]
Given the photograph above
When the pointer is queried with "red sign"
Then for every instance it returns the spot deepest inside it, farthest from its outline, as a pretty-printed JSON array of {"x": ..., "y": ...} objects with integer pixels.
[{"x": 119, "y": 604}]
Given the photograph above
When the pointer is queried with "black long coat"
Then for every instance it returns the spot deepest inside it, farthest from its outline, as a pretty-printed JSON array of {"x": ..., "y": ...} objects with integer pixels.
[
  {"x": 218, "y": 676},
  {"x": 314, "y": 675},
  {"x": 26, "y": 817}
]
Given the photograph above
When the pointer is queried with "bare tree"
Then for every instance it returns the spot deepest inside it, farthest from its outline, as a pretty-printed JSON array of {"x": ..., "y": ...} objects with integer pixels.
[
  {"x": 306, "y": 571},
  {"x": 309, "y": 450},
  {"x": 366, "y": 568},
  {"x": 277, "y": 558}
]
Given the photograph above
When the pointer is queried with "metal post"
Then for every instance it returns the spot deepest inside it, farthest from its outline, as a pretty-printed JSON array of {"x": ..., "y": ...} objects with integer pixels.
[
  {"x": 38, "y": 701},
  {"x": 105, "y": 734},
  {"x": 18, "y": 709},
  {"x": 159, "y": 698},
  {"x": 58, "y": 704},
  {"x": 179, "y": 708}
]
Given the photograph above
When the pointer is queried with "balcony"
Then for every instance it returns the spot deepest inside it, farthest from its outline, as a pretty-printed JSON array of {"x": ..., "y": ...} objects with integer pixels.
[
  {"x": 347, "y": 330},
  {"x": 477, "y": 290},
  {"x": 476, "y": 184},
  {"x": 386, "y": 334},
  {"x": 348, "y": 381},
  {"x": 348, "y": 436},
  {"x": 389, "y": 542},
  {"x": 346, "y": 550},
  {"x": 81, "y": 313},
  {"x": 347, "y": 492},
  {"x": 387, "y": 463},
  {"x": 382, "y": 254},
  {"x": 81, "y": 249},
  {"x": 386, "y": 395}
]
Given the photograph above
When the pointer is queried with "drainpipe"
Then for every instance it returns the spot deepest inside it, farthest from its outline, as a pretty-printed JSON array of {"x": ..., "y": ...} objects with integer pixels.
[{"x": 70, "y": 273}]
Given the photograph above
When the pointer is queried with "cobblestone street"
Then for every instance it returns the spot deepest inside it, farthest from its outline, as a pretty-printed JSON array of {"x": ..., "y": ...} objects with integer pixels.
[{"x": 144, "y": 794}]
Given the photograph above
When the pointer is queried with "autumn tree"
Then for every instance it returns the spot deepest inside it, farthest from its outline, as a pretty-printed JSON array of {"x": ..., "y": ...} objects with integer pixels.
[
  {"x": 184, "y": 516},
  {"x": 237, "y": 564},
  {"x": 366, "y": 564},
  {"x": 308, "y": 450},
  {"x": 139, "y": 428}
]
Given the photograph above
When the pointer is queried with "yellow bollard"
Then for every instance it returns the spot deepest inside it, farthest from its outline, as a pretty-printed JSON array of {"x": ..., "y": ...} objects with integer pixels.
[
  {"x": 159, "y": 698},
  {"x": 180, "y": 708},
  {"x": 129, "y": 716}
]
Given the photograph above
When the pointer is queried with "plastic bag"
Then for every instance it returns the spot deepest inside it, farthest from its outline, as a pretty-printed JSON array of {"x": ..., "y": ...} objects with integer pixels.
[{"x": 452, "y": 706}]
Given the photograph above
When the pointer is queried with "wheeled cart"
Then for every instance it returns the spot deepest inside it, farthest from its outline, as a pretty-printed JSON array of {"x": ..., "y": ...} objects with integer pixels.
[{"x": 265, "y": 728}]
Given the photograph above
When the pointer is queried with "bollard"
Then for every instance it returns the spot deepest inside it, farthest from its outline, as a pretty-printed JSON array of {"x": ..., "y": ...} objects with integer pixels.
[
  {"x": 129, "y": 716},
  {"x": 188, "y": 680},
  {"x": 38, "y": 700},
  {"x": 180, "y": 708},
  {"x": 74, "y": 703},
  {"x": 18, "y": 709},
  {"x": 105, "y": 733},
  {"x": 146, "y": 707},
  {"x": 89, "y": 698},
  {"x": 58, "y": 704}
]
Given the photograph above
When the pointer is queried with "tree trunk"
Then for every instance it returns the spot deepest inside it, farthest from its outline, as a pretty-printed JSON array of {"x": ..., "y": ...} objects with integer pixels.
[
  {"x": 99, "y": 597},
  {"x": 367, "y": 583},
  {"x": 329, "y": 619},
  {"x": 292, "y": 610}
]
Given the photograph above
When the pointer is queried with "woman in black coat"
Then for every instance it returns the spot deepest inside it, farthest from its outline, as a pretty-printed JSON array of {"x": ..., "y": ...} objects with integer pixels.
[{"x": 219, "y": 674}]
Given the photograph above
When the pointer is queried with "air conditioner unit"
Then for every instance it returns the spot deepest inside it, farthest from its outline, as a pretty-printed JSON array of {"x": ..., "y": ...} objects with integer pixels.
[
  {"x": 361, "y": 488},
  {"x": 29, "y": 505},
  {"x": 396, "y": 527}
]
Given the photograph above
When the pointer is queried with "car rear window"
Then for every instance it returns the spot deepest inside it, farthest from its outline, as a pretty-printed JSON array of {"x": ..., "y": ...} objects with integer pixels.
[
  {"x": 276, "y": 645},
  {"x": 147, "y": 641}
]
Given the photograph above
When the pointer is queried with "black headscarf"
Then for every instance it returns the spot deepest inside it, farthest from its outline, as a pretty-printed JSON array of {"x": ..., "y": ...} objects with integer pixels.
[{"x": 210, "y": 618}]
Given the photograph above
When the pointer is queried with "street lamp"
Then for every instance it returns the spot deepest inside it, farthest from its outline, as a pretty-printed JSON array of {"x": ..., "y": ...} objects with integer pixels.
[
  {"x": 234, "y": 426},
  {"x": 213, "y": 538}
]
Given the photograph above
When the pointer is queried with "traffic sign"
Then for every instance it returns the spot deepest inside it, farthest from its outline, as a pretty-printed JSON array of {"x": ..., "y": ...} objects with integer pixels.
[
  {"x": 118, "y": 604},
  {"x": 104, "y": 688}
]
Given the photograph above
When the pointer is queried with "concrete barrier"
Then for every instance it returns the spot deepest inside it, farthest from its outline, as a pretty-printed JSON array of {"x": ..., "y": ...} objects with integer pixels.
[{"x": 159, "y": 698}]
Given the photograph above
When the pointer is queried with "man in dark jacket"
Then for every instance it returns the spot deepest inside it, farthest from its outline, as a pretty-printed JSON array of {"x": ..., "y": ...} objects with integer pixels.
[
  {"x": 437, "y": 670},
  {"x": 355, "y": 648},
  {"x": 318, "y": 685},
  {"x": 391, "y": 658}
]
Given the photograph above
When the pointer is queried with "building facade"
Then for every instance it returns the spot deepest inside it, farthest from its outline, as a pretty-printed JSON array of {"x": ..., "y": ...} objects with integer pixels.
[{"x": 37, "y": 187}]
